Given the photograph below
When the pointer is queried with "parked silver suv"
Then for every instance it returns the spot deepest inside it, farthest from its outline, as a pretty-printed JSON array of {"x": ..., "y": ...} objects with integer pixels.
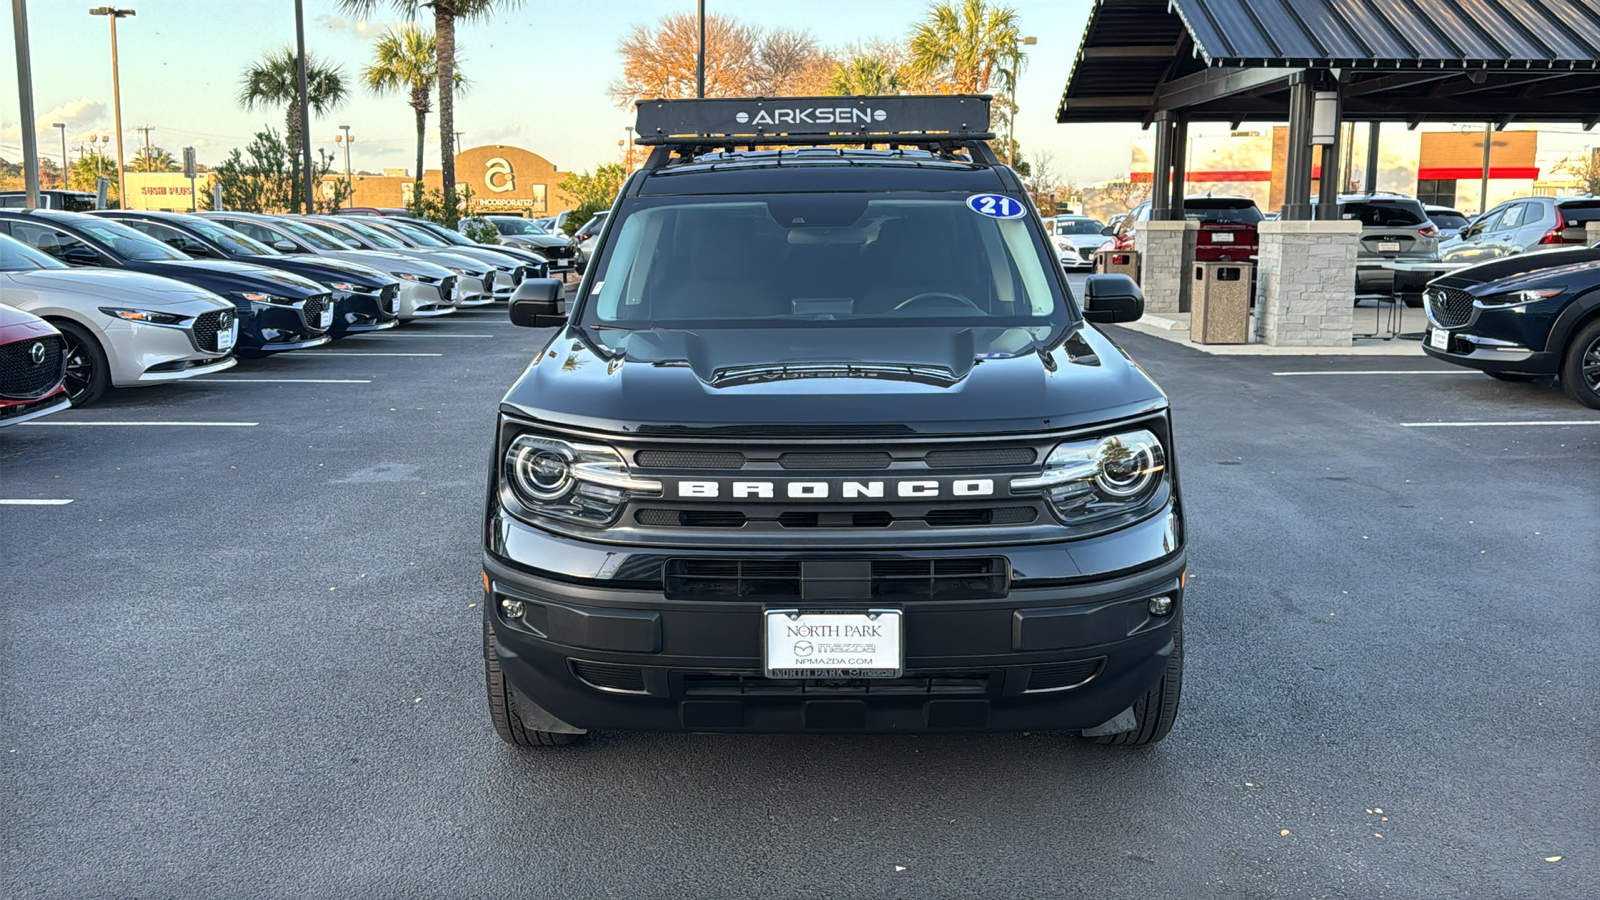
[
  {"x": 1523, "y": 225},
  {"x": 1393, "y": 227}
]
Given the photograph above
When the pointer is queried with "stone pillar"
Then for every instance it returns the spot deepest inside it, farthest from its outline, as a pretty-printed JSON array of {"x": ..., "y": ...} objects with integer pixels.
[
  {"x": 1306, "y": 282},
  {"x": 1592, "y": 232},
  {"x": 1165, "y": 251}
]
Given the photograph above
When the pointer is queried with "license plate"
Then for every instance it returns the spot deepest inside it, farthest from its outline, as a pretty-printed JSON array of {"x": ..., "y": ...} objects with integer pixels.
[
  {"x": 225, "y": 337},
  {"x": 327, "y": 316},
  {"x": 1439, "y": 340},
  {"x": 1388, "y": 246},
  {"x": 1221, "y": 237},
  {"x": 833, "y": 644}
]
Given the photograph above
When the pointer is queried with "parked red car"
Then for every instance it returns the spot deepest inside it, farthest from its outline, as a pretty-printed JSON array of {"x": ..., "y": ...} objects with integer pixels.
[
  {"x": 1227, "y": 228},
  {"x": 33, "y": 368}
]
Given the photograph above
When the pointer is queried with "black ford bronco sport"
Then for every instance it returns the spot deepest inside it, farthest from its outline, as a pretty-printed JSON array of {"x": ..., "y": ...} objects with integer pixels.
[{"x": 827, "y": 445}]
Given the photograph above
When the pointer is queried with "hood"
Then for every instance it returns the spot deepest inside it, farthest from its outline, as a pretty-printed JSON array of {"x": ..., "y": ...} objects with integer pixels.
[
  {"x": 389, "y": 263},
  {"x": 536, "y": 240},
  {"x": 326, "y": 269},
  {"x": 235, "y": 276},
  {"x": 1083, "y": 240},
  {"x": 112, "y": 286},
  {"x": 926, "y": 381},
  {"x": 1541, "y": 264},
  {"x": 16, "y": 325}
]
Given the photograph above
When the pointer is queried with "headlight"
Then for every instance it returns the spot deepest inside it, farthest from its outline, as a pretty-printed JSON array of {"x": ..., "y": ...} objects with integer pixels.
[
  {"x": 345, "y": 286},
  {"x": 583, "y": 483},
  {"x": 269, "y": 299},
  {"x": 1518, "y": 298},
  {"x": 146, "y": 316},
  {"x": 407, "y": 276},
  {"x": 1099, "y": 480}
]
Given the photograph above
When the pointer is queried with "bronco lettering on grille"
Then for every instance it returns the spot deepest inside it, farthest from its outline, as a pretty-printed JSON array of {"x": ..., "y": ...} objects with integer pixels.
[{"x": 835, "y": 489}]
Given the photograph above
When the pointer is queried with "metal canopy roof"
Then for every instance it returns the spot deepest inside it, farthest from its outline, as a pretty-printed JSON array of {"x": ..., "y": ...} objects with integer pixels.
[{"x": 1398, "y": 59}]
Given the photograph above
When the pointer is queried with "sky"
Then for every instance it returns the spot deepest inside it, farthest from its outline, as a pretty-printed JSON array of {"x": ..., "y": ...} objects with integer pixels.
[{"x": 538, "y": 76}]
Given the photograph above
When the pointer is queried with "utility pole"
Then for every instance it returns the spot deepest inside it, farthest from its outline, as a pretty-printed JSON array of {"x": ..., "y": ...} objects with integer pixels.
[
  {"x": 30, "y": 141},
  {"x": 1483, "y": 190},
  {"x": 458, "y": 135},
  {"x": 145, "y": 131},
  {"x": 302, "y": 101},
  {"x": 114, "y": 14},
  {"x": 62, "y": 127},
  {"x": 700, "y": 55},
  {"x": 347, "y": 140}
]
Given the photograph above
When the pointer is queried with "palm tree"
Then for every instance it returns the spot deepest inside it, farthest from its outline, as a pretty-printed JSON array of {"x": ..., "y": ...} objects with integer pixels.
[
  {"x": 406, "y": 59},
  {"x": 445, "y": 14},
  {"x": 864, "y": 75},
  {"x": 964, "y": 44},
  {"x": 155, "y": 159},
  {"x": 272, "y": 80}
]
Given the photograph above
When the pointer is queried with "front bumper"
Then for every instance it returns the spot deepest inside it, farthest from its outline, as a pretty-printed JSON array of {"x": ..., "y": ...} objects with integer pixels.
[
  {"x": 613, "y": 652},
  {"x": 419, "y": 300},
  {"x": 471, "y": 291},
  {"x": 1491, "y": 355},
  {"x": 15, "y": 412},
  {"x": 139, "y": 353}
]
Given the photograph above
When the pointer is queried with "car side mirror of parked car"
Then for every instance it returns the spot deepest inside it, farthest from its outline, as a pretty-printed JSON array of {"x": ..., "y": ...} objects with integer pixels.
[
  {"x": 80, "y": 256},
  {"x": 1108, "y": 231},
  {"x": 1112, "y": 298},
  {"x": 284, "y": 246},
  {"x": 537, "y": 304}
]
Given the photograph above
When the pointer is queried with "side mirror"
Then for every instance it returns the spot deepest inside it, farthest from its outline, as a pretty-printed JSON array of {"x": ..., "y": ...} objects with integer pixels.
[
  {"x": 537, "y": 304},
  {"x": 1111, "y": 299},
  {"x": 79, "y": 256},
  {"x": 285, "y": 247},
  {"x": 1108, "y": 231}
]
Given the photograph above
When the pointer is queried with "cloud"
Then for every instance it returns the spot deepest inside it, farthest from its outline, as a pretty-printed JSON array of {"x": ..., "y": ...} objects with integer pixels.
[
  {"x": 491, "y": 136},
  {"x": 361, "y": 28},
  {"x": 82, "y": 117}
]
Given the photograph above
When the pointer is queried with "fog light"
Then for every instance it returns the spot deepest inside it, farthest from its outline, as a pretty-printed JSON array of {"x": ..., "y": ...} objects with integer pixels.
[
  {"x": 513, "y": 609},
  {"x": 1159, "y": 606}
]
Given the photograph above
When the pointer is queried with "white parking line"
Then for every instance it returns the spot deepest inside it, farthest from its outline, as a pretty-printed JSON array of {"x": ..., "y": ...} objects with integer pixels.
[
  {"x": 1561, "y": 423},
  {"x": 154, "y": 424},
  {"x": 1389, "y": 372},
  {"x": 281, "y": 380},
  {"x": 418, "y": 334},
  {"x": 362, "y": 353},
  {"x": 34, "y": 502}
]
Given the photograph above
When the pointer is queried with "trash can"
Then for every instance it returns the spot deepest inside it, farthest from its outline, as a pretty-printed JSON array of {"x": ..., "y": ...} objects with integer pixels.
[
  {"x": 1117, "y": 262},
  {"x": 1220, "y": 303}
]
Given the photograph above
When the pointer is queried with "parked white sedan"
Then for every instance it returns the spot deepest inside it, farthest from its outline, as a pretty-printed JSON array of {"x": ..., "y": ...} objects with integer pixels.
[{"x": 120, "y": 329}]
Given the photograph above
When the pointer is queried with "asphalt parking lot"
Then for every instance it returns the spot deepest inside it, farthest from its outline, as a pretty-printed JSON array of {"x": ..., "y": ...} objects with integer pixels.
[{"x": 244, "y": 661}]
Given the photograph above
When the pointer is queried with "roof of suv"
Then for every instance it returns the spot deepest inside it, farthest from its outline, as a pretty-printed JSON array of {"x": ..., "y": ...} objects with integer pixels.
[{"x": 818, "y": 169}]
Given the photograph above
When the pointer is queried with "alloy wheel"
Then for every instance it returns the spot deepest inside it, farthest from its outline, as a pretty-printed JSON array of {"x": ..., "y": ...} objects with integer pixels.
[
  {"x": 80, "y": 368},
  {"x": 1591, "y": 365}
]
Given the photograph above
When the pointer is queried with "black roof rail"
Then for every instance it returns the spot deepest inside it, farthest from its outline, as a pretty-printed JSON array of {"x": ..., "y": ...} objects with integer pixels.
[{"x": 938, "y": 122}]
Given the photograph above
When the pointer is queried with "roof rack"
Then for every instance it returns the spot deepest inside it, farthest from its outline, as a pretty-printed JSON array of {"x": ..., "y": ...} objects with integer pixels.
[{"x": 942, "y": 122}]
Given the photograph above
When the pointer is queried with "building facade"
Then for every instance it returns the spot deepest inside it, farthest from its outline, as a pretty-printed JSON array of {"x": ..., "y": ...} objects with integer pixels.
[{"x": 502, "y": 179}]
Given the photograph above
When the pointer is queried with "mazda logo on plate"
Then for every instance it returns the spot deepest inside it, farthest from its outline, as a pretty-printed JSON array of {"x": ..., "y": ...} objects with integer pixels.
[
  {"x": 37, "y": 352},
  {"x": 802, "y": 648}
]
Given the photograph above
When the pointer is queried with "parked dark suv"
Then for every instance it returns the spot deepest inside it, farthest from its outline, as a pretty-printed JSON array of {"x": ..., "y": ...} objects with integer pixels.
[
  {"x": 828, "y": 445},
  {"x": 1523, "y": 317}
]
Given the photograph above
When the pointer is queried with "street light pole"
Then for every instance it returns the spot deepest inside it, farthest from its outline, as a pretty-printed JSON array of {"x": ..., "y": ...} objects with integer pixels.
[
  {"x": 348, "y": 140},
  {"x": 700, "y": 55},
  {"x": 30, "y": 141},
  {"x": 302, "y": 103},
  {"x": 114, "y": 14},
  {"x": 62, "y": 126}
]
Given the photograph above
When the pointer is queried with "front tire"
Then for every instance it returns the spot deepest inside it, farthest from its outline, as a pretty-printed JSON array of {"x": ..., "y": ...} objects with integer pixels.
[
  {"x": 88, "y": 372},
  {"x": 1580, "y": 371},
  {"x": 508, "y": 722},
  {"x": 1158, "y": 708}
]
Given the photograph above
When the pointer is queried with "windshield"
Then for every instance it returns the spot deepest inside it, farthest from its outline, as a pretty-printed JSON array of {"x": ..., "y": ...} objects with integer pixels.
[
  {"x": 1448, "y": 219},
  {"x": 126, "y": 242},
  {"x": 443, "y": 234},
  {"x": 1078, "y": 226},
  {"x": 312, "y": 235},
  {"x": 416, "y": 235},
  {"x": 228, "y": 239},
  {"x": 15, "y": 256},
  {"x": 1213, "y": 211},
  {"x": 1384, "y": 213},
  {"x": 515, "y": 226},
  {"x": 372, "y": 235},
  {"x": 823, "y": 260}
]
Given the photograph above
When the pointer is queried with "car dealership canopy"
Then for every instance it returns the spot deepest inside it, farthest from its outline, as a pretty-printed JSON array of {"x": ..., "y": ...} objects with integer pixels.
[{"x": 1316, "y": 63}]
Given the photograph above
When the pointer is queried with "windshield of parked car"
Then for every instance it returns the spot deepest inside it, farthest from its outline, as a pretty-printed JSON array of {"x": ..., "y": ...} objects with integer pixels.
[
  {"x": 1448, "y": 219},
  {"x": 15, "y": 256},
  {"x": 416, "y": 235},
  {"x": 1398, "y": 213},
  {"x": 1078, "y": 226},
  {"x": 824, "y": 260},
  {"x": 230, "y": 240},
  {"x": 312, "y": 235},
  {"x": 126, "y": 242},
  {"x": 443, "y": 234},
  {"x": 1221, "y": 211},
  {"x": 513, "y": 225},
  {"x": 372, "y": 235}
]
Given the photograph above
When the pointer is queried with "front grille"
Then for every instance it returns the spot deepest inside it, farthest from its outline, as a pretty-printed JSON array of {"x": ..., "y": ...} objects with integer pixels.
[
  {"x": 971, "y": 458},
  {"x": 313, "y": 311},
  {"x": 208, "y": 325},
  {"x": 24, "y": 378},
  {"x": 716, "y": 684},
  {"x": 389, "y": 299},
  {"x": 1058, "y": 676},
  {"x": 688, "y": 459},
  {"x": 555, "y": 252},
  {"x": 843, "y": 461},
  {"x": 956, "y": 517},
  {"x": 447, "y": 288},
  {"x": 607, "y": 676},
  {"x": 976, "y": 578},
  {"x": 978, "y": 458},
  {"x": 1449, "y": 307}
]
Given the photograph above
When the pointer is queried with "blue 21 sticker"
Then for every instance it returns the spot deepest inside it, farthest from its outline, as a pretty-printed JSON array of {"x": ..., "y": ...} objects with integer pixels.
[{"x": 996, "y": 206}]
